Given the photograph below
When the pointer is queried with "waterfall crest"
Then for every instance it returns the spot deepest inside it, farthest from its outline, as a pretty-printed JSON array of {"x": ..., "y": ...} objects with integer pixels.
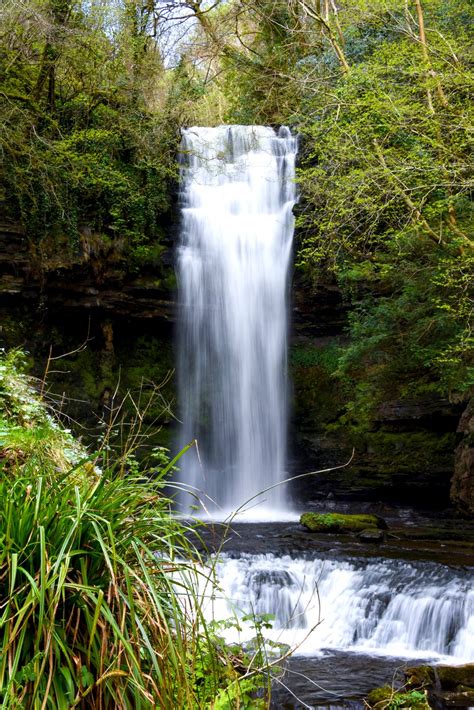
[{"x": 237, "y": 227}]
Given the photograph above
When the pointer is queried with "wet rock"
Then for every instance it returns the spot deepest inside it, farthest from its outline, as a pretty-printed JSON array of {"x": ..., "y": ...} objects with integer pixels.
[
  {"x": 447, "y": 686},
  {"x": 341, "y": 522},
  {"x": 326, "y": 299},
  {"x": 462, "y": 485},
  {"x": 406, "y": 457},
  {"x": 372, "y": 535},
  {"x": 420, "y": 676},
  {"x": 83, "y": 280},
  {"x": 452, "y": 677},
  {"x": 415, "y": 409},
  {"x": 462, "y": 699}
]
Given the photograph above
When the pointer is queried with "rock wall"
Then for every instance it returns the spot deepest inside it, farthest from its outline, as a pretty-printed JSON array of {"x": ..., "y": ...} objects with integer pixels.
[
  {"x": 406, "y": 455},
  {"x": 93, "y": 277},
  {"x": 462, "y": 485},
  {"x": 116, "y": 323},
  {"x": 107, "y": 326}
]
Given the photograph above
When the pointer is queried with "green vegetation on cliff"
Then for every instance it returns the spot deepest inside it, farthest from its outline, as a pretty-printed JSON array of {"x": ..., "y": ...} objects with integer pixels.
[{"x": 387, "y": 205}]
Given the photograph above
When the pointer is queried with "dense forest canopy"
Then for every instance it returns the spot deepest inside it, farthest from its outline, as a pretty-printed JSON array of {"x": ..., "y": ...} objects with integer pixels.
[{"x": 94, "y": 94}]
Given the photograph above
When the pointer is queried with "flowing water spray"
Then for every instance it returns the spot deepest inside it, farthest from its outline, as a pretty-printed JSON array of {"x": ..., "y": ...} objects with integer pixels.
[
  {"x": 379, "y": 607},
  {"x": 237, "y": 227}
]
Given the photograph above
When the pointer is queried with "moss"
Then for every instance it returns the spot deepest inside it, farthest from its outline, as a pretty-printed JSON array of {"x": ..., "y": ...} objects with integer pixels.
[
  {"x": 410, "y": 452},
  {"x": 386, "y": 698},
  {"x": 31, "y": 440},
  {"x": 456, "y": 677},
  {"x": 379, "y": 696},
  {"x": 419, "y": 676},
  {"x": 140, "y": 365},
  {"x": 452, "y": 678},
  {"x": 340, "y": 522},
  {"x": 308, "y": 355},
  {"x": 319, "y": 397},
  {"x": 406, "y": 458}
]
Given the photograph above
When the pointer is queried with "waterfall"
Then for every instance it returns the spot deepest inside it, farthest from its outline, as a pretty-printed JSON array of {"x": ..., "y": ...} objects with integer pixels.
[
  {"x": 387, "y": 607},
  {"x": 237, "y": 193}
]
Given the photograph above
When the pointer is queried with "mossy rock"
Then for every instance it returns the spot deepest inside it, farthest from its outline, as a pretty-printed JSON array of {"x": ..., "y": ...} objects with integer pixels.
[
  {"x": 341, "y": 522},
  {"x": 380, "y": 696},
  {"x": 372, "y": 535},
  {"x": 456, "y": 678},
  {"x": 459, "y": 698},
  {"x": 386, "y": 698}
]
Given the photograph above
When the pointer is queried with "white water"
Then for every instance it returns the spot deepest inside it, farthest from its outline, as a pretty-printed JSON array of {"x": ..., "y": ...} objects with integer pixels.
[
  {"x": 237, "y": 227},
  {"x": 381, "y": 607}
]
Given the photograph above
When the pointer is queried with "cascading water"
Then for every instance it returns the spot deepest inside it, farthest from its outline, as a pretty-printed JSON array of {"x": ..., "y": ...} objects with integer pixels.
[
  {"x": 237, "y": 227},
  {"x": 388, "y": 607}
]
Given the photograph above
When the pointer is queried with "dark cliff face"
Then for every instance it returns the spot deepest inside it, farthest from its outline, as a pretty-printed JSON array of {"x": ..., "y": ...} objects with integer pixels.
[
  {"x": 117, "y": 323},
  {"x": 91, "y": 278},
  {"x": 462, "y": 484},
  {"x": 410, "y": 451},
  {"x": 107, "y": 325}
]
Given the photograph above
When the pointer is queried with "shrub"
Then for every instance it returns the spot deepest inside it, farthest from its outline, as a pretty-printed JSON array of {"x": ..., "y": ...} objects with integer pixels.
[{"x": 99, "y": 587}]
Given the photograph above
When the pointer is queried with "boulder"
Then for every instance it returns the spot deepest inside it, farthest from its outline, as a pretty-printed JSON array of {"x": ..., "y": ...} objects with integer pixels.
[
  {"x": 446, "y": 686},
  {"x": 341, "y": 522},
  {"x": 373, "y": 535},
  {"x": 447, "y": 677}
]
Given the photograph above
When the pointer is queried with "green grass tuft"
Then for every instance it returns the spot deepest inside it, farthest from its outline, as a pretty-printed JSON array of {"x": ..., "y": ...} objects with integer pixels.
[{"x": 100, "y": 590}]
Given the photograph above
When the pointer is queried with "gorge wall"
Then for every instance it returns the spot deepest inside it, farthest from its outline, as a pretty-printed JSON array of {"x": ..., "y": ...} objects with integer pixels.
[{"x": 118, "y": 324}]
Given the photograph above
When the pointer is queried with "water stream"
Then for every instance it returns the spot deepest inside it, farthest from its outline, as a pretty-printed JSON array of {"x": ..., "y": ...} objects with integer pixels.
[
  {"x": 237, "y": 228},
  {"x": 237, "y": 195},
  {"x": 378, "y": 607}
]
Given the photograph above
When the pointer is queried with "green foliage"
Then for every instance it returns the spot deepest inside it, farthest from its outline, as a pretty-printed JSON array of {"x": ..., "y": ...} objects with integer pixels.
[
  {"x": 386, "y": 698},
  {"x": 386, "y": 207},
  {"x": 28, "y": 434},
  {"x": 94, "y": 572},
  {"x": 250, "y": 691},
  {"x": 307, "y": 356},
  {"x": 320, "y": 392},
  {"x": 412, "y": 336},
  {"x": 385, "y": 178},
  {"x": 88, "y": 159}
]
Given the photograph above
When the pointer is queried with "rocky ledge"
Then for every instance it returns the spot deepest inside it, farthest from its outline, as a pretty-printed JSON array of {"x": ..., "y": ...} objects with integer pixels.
[
  {"x": 90, "y": 278},
  {"x": 426, "y": 687}
]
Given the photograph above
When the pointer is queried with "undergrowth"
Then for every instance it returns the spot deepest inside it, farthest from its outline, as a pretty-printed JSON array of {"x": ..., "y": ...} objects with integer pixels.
[{"x": 100, "y": 590}]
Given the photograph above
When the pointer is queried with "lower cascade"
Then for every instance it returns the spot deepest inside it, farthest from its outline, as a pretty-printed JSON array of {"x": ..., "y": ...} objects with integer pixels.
[
  {"x": 237, "y": 228},
  {"x": 388, "y": 607}
]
